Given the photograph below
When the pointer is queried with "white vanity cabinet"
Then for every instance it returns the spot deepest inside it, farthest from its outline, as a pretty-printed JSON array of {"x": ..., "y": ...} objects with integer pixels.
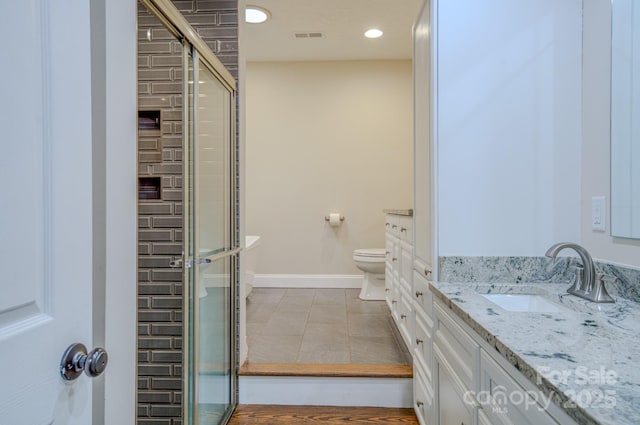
[
  {"x": 398, "y": 272},
  {"x": 474, "y": 384},
  {"x": 452, "y": 363}
]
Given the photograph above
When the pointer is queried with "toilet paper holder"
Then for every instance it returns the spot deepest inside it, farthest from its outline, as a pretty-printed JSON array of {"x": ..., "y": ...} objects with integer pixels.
[{"x": 326, "y": 218}]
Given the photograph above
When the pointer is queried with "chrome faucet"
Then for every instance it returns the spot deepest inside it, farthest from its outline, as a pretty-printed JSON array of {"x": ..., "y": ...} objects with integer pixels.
[{"x": 588, "y": 284}]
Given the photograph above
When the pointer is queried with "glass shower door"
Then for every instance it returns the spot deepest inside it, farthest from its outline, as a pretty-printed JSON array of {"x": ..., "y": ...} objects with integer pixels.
[
  {"x": 211, "y": 236},
  {"x": 208, "y": 206}
]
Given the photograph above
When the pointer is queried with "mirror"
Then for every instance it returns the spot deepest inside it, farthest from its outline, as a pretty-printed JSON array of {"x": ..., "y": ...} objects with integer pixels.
[{"x": 625, "y": 119}]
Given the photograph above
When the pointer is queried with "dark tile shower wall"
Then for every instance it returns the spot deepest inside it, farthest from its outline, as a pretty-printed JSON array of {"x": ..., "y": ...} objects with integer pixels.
[{"x": 160, "y": 230}]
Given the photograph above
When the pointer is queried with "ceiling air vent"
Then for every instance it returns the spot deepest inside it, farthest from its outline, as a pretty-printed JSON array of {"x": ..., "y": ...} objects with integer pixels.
[{"x": 308, "y": 34}]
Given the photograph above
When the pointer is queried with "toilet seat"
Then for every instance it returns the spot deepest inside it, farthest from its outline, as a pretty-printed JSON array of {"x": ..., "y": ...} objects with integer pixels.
[{"x": 371, "y": 255}]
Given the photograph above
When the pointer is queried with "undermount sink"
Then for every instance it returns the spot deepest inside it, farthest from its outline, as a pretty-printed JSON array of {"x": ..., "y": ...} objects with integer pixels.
[{"x": 524, "y": 303}]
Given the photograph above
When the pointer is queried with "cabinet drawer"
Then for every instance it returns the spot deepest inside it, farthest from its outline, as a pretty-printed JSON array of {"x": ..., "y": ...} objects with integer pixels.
[
  {"x": 394, "y": 297},
  {"x": 406, "y": 265},
  {"x": 395, "y": 263},
  {"x": 392, "y": 254},
  {"x": 391, "y": 224},
  {"x": 405, "y": 228},
  {"x": 388, "y": 288},
  {"x": 422, "y": 343},
  {"x": 422, "y": 267},
  {"x": 406, "y": 287},
  {"x": 507, "y": 402},
  {"x": 421, "y": 294},
  {"x": 405, "y": 319},
  {"x": 388, "y": 277},
  {"x": 389, "y": 245},
  {"x": 422, "y": 397},
  {"x": 456, "y": 345}
]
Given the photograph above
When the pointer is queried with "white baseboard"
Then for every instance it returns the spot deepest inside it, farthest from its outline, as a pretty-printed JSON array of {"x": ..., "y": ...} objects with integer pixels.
[
  {"x": 323, "y": 391},
  {"x": 307, "y": 281}
]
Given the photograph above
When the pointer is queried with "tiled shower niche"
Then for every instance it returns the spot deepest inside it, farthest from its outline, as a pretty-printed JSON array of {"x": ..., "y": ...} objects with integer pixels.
[{"x": 160, "y": 221}]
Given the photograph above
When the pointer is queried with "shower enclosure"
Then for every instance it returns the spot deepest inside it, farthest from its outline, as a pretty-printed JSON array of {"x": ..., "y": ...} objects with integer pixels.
[{"x": 187, "y": 100}]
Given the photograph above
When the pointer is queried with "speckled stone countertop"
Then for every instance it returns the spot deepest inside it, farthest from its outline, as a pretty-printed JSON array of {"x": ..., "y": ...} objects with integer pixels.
[
  {"x": 585, "y": 357},
  {"x": 399, "y": 212}
]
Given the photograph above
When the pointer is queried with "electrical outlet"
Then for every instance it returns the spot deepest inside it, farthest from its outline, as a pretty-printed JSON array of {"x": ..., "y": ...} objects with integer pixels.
[{"x": 598, "y": 213}]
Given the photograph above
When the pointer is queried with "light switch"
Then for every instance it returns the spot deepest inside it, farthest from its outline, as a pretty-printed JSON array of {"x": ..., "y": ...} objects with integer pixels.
[{"x": 598, "y": 213}]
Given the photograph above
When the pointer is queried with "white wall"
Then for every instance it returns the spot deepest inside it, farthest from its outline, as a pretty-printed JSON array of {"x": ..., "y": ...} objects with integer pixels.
[
  {"x": 114, "y": 127},
  {"x": 509, "y": 129},
  {"x": 596, "y": 135},
  {"x": 325, "y": 137}
]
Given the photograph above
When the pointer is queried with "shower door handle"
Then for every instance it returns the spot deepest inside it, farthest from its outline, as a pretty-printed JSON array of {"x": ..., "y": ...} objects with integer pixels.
[
  {"x": 177, "y": 264},
  {"x": 202, "y": 260}
]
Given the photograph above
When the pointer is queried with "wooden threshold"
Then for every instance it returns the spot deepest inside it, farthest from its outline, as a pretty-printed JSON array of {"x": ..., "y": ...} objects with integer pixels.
[
  {"x": 299, "y": 415},
  {"x": 327, "y": 370}
]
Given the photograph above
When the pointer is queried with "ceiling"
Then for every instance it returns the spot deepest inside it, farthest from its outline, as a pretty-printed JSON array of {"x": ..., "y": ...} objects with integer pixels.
[{"x": 342, "y": 22}]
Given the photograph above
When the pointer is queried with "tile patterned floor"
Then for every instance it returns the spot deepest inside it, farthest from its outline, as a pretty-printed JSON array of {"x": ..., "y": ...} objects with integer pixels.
[{"x": 319, "y": 326}]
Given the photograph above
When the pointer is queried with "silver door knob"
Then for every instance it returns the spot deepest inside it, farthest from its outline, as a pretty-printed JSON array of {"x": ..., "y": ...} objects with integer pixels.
[{"x": 76, "y": 359}]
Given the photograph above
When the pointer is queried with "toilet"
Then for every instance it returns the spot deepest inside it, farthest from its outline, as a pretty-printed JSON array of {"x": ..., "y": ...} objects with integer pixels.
[{"x": 372, "y": 263}]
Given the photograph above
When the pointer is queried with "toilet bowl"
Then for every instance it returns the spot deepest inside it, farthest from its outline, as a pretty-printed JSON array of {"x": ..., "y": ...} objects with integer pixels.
[{"x": 372, "y": 263}]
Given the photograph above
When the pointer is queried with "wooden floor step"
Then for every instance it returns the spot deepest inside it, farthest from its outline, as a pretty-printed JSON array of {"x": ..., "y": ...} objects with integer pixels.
[
  {"x": 312, "y": 415},
  {"x": 327, "y": 370}
]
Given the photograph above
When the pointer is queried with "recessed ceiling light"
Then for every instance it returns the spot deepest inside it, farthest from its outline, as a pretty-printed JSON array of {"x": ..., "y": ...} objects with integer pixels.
[
  {"x": 373, "y": 33},
  {"x": 255, "y": 15}
]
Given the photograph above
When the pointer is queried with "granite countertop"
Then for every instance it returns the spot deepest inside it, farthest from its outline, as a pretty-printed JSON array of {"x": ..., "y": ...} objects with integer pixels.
[
  {"x": 408, "y": 212},
  {"x": 586, "y": 357}
]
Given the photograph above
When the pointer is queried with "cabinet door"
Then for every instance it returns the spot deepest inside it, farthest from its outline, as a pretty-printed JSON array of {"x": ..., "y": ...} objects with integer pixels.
[
  {"x": 422, "y": 343},
  {"x": 422, "y": 135},
  {"x": 424, "y": 403},
  {"x": 505, "y": 401},
  {"x": 406, "y": 269},
  {"x": 452, "y": 409}
]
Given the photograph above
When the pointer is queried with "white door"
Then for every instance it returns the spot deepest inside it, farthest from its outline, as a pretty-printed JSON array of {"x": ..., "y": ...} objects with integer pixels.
[{"x": 45, "y": 209}]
